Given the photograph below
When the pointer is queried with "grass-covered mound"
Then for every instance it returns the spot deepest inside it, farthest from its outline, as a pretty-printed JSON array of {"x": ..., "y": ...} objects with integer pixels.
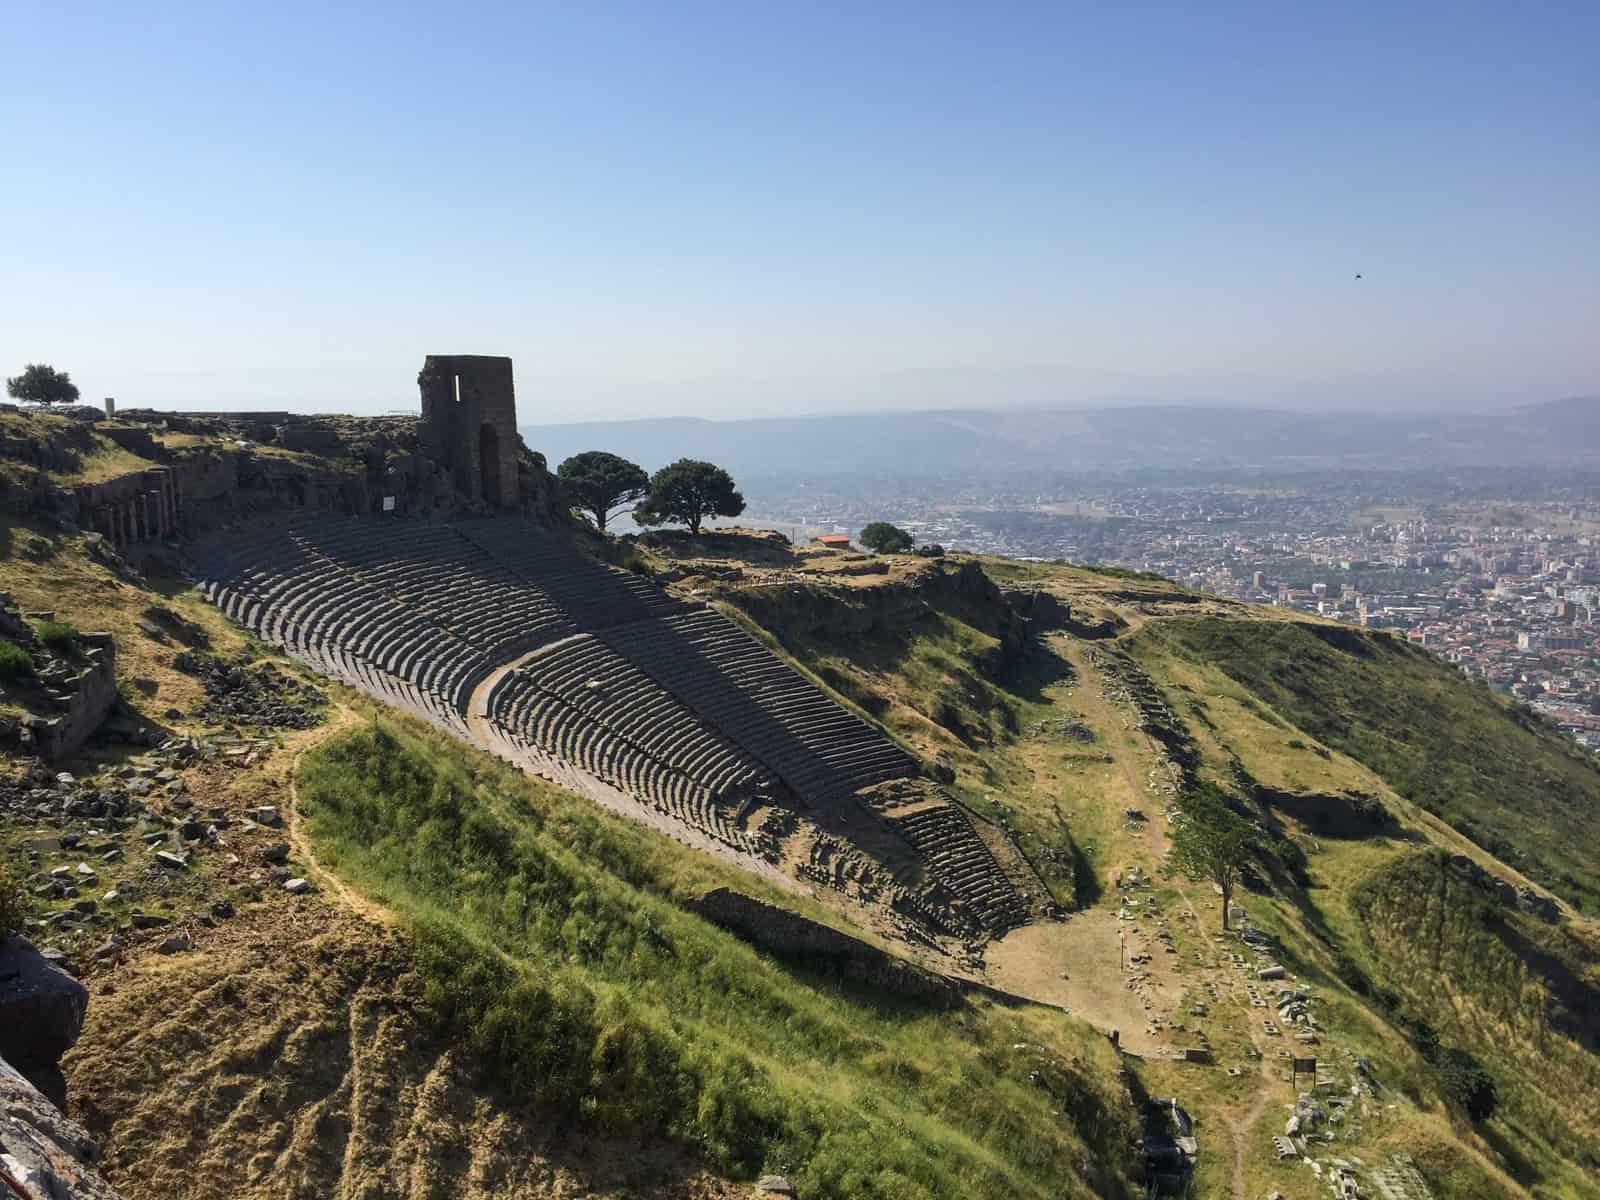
[
  {"x": 549, "y": 941},
  {"x": 1497, "y": 773}
]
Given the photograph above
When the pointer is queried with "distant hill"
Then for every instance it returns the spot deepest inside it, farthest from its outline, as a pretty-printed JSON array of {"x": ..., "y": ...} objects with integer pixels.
[{"x": 1562, "y": 431}]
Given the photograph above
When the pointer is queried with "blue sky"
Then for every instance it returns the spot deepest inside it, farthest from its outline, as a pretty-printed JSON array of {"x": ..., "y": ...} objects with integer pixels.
[{"x": 723, "y": 208}]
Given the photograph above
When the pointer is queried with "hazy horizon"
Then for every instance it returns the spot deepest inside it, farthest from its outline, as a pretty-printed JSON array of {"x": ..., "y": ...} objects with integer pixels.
[
  {"x": 546, "y": 401},
  {"x": 709, "y": 210}
]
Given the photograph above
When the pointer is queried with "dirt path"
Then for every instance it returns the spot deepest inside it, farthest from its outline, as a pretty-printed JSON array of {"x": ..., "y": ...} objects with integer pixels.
[
  {"x": 330, "y": 883},
  {"x": 1245, "y": 1125}
]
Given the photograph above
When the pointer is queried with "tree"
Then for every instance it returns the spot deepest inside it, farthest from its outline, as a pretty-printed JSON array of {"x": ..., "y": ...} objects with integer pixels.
[
  {"x": 886, "y": 538},
  {"x": 41, "y": 384},
  {"x": 602, "y": 485},
  {"x": 1210, "y": 842},
  {"x": 689, "y": 491}
]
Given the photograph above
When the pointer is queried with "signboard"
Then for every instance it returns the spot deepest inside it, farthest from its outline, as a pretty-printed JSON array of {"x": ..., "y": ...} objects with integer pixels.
[{"x": 1306, "y": 1066}]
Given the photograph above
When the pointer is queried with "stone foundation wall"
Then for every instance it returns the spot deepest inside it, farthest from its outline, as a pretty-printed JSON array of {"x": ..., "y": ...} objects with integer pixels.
[
  {"x": 134, "y": 507},
  {"x": 55, "y": 737}
]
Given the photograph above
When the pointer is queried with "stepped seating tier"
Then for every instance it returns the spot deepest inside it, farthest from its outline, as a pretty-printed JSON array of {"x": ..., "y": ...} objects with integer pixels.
[
  {"x": 759, "y": 702},
  {"x": 668, "y": 701}
]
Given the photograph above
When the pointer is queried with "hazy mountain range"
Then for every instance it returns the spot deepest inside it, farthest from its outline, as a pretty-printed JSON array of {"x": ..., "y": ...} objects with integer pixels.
[{"x": 1558, "y": 432}]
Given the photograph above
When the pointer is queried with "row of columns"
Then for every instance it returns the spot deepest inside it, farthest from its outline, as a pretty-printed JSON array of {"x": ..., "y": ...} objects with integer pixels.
[{"x": 152, "y": 513}]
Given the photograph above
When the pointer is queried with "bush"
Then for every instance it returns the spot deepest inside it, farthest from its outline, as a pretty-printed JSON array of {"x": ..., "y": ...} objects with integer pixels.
[
  {"x": 1468, "y": 1084},
  {"x": 13, "y": 904},
  {"x": 14, "y": 661},
  {"x": 57, "y": 635}
]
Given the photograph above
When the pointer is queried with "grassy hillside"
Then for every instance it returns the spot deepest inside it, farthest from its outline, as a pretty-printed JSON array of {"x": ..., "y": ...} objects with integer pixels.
[
  {"x": 547, "y": 939},
  {"x": 1495, "y": 772},
  {"x": 1459, "y": 972}
]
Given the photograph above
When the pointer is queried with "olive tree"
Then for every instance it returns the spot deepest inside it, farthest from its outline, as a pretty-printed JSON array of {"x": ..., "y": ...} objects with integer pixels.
[
  {"x": 42, "y": 384},
  {"x": 886, "y": 538}
]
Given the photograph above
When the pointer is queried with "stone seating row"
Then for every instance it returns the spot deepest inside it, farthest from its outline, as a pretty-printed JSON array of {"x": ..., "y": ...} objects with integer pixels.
[
  {"x": 624, "y": 767},
  {"x": 605, "y": 687},
  {"x": 957, "y": 856},
  {"x": 555, "y": 723},
  {"x": 773, "y": 712},
  {"x": 596, "y": 595},
  {"x": 297, "y": 599},
  {"x": 433, "y": 568}
]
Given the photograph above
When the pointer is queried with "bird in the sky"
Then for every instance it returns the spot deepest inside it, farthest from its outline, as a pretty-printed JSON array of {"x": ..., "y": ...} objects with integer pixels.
[{"x": 1358, "y": 274}]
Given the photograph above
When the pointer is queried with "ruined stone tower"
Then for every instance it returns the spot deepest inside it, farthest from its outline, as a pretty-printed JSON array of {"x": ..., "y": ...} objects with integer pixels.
[{"x": 469, "y": 423}]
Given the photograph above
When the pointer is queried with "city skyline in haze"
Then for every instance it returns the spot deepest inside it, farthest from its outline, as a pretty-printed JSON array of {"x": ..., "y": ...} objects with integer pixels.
[{"x": 716, "y": 210}]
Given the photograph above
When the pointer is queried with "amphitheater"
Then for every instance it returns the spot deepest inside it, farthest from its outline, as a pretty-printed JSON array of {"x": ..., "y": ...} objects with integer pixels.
[{"x": 507, "y": 632}]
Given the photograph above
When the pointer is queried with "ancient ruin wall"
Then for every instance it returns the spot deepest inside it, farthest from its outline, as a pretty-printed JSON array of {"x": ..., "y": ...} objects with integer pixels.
[
  {"x": 94, "y": 691},
  {"x": 469, "y": 424}
]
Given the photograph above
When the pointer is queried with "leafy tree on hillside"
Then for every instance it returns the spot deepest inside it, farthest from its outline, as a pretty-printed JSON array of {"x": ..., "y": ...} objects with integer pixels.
[
  {"x": 41, "y": 384},
  {"x": 1211, "y": 843},
  {"x": 886, "y": 538},
  {"x": 689, "y": 491},
  {"x": 603, "y": 485}
]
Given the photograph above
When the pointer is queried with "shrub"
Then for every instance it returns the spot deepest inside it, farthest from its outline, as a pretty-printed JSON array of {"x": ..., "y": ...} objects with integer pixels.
[
  {"x": 57, "y": 635},
  {"x": 1468, "y": 1084},
  {"x": 14, "y": 661},
  {"x": 13, "y": 904}
]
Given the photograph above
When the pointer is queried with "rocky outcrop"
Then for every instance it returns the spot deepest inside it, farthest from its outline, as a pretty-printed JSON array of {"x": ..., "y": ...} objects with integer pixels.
[
  {"x": 41, "y": 1013},
  {"x": 1523, "y": 899},
  {"x": 43, "y": 1154},
  {"x": 1044, "y": 610}
]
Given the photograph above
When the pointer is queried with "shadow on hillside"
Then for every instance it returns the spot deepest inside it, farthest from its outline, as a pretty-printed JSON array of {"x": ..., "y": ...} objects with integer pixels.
[
  {"x": 1506, "y": 1145},
  {"x": 1038, "y": 667},
  {"x": 1573, "y": 1009}
]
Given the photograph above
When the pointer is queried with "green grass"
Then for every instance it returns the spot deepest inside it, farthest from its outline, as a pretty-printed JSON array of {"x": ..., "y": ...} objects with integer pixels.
[
  {"x": 583, "y": 988},
  {"x": 15, "y": 662},
  {"x": 1495, "y": 772},
  {"x": 57, "y": 635}
]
